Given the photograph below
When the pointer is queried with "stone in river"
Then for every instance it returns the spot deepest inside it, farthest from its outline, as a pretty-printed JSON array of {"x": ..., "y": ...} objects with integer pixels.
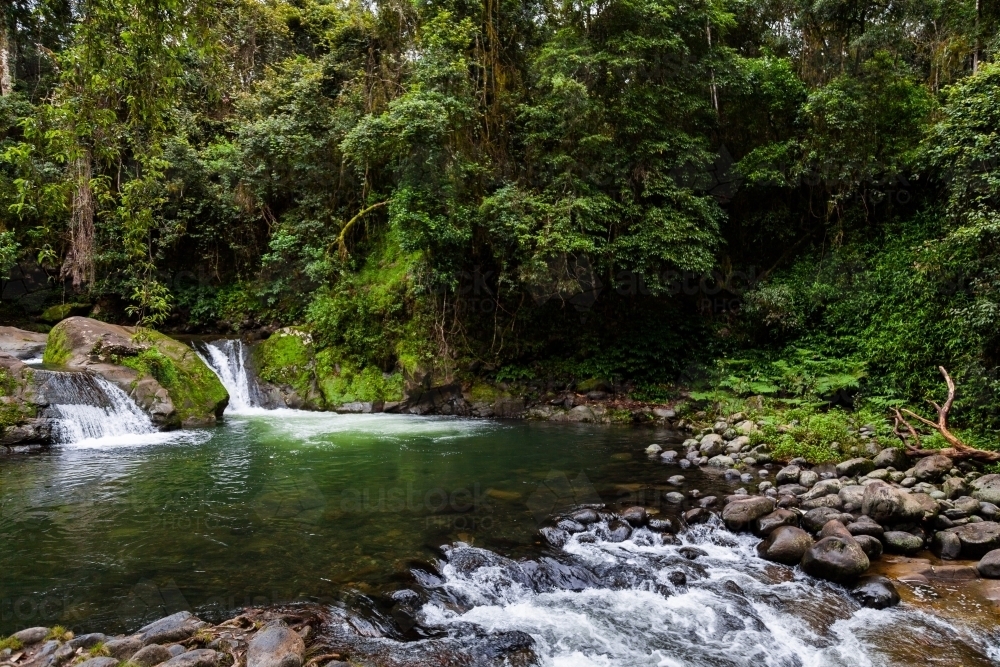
[
  {"x": 98, "y": 662},
  {"x": 30, "y": 636},
  {"x": 661, "y": 526},
  {"x": 870, "y": 545},
  {"x": 989, "y": 565},
  {"x": 855, "y": 467},
  {"x": 932, "y": 468},
  {"x": 978, "y": 538},
  {"x": 151, "y": 654},
  {"x": 697, "y": 515},
  {"x": 198, "y": 658},
  {"x": 835, "y": 559},
  {"x": 778, "y": 517},
  {"x": 785, "y": 544},
  {"x": 571, "y": 526},
  {"x": 675, "y": 480},
  {"x": 899, "y": 542},
  {"x": 832, "y": 501},
  {"x": 173, "y": 628},
  {"x": 276, "y": 646},
  {"x": 554, "y": 536},
  {"x": 123, "y": 648},
  {"x": 815, "y": 519},
  {"x": 875, "y": 592},
  {"x": 835, "y": 528},
  {"x": 586, "y": 516},
  {"x": 884, "y": 503},
  {"x": 987, "y": 489},
  {"x": 618, "y": 531},
  {"x": 788, "y": 474},
  {"x": 674, "y": 497},
  {"x": 946, "y": 546},
  {"x": 636, "y": 516},
  {"x": 741, "y": 514}
]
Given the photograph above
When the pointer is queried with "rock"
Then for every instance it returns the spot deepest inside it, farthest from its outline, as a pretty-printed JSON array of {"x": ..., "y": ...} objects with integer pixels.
[
  {"x": 661, "y": 526},
  {"x": 123, "y": 648},
  {"x": 865, "y": 526},
  {"x": 932, "y": 468},
  {"x": 554, "y": 536},
  {"x": 853, "y": 497},
  {"x": 820, "y": 489},
  {"x": 870, "y": 545},
  {"x": 788, "y": 474},
  {"x": 737, "y": 444},
  {"x": 22, "y": 344},
  {"x": 978, "y": 539},
  {"x": 618, "y": 531},
  {"x": 721, "y": 461},
  {"x": 585, "y": 516},
  {"x": 832, "y": 501},
  {"x": 779, "y": 517},
  {"x": 989, "y": 511},
  {"x": 740, "y": 514},
  {"x": 989, "y": 565},
  {"x": 195, "y": 398},
  {"x": 675, "y": 480},
  {"x": 99, "y": 662},
  {"x": 834, "y": 528},
  {"x": 815, "y": 519},
  {"x": 875, "y": 592},
  {"x": 855, "y": 467},
  {"x": 946, "y": 545},
  {"x": 203, "y": 657},
  {"x": 785, "y": 544},
  {"x": 276, "y": 646},
  {"x": 654, "y": 449},
  {"x": 674, "y": 497},
  {"x": 711, "y": 445},
  {"x": 835, "y": 559},
  {"x": 173, "y": 628},
  {"x": 697, "y": 515},
  {"x": 151, "y": 654},
  {"x": 30, "y": 636},
  {"x": 899, "y": 542},
  {"x": 892, "y": 457},
  {"x": 692, "y": 553},
  {"x": 884, "y": 503},
  {"x": 88, "y": 641},
  {"x": 808, "y": 478},
  {"x": 954, "y": 487},
  {"x": 635, "y": 516},
  {"x": 986, "y": 489}
]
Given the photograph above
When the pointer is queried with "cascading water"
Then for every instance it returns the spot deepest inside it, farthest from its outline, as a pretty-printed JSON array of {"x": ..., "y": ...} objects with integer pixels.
[
  {"x": 228, "y": 359},
  {"x": 87, "y": 407}
]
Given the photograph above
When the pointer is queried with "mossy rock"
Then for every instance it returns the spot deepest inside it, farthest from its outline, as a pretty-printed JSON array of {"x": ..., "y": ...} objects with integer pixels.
[
  {"x": 594, "y": 384},
  {"x": 340, "y": 383},
  {"x": 287, "y": 360},
  {"x": 61, "y": 311}
]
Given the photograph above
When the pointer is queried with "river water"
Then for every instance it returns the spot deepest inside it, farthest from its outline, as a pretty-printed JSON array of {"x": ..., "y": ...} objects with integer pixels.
[{"x": 105, "y": 533}]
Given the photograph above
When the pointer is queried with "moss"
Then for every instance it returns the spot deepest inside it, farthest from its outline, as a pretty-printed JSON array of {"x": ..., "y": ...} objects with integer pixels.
[
  {"x": 286, "y": 358},
  {"x": 593, "y": 384},
  {"x": 57, "y": 349},
  {"x": 13, "y": 643},
  {"x": 481, "y": 392},
  {"x": 340, "y": 383},
  {"x": 61, "y": 311},
  {"x": 99, "y": 650},
  {"x": 59, "y": 633}
]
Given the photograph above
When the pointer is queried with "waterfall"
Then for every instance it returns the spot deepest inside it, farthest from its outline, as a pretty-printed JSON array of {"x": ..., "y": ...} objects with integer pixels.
[
  {"x": 228, "y": 359},
  {"x": 85, "y": 406}
]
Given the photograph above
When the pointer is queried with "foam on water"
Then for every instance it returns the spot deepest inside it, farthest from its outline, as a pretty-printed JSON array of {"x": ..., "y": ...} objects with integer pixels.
[{"x": 741, "y": 612}]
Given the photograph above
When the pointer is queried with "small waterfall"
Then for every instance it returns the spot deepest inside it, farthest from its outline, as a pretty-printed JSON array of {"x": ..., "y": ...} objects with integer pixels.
[
  {"x": 228, "y": 359},
  {"x": 86, "y": 406}
]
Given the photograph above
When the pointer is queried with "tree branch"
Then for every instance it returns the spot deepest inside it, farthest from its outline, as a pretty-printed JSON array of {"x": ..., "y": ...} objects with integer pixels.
[{"x": 340, "y": 242}]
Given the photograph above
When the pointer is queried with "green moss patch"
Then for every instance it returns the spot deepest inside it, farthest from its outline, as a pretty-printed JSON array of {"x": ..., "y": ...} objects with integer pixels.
[
  {"x": 340, "y": 383},
  {"x": 287, "y": 358},
  {"x": 57, "y": 348}
]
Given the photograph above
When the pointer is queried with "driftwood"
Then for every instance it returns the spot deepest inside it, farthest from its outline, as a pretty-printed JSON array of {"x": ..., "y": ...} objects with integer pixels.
[{"x": 958, "y": 450}]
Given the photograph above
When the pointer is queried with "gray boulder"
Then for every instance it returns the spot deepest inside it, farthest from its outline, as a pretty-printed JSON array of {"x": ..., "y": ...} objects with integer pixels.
[
  {"x": 946, "y": 546},
  {"x": 741, "y": 514},
  {"x": 853, "y": 496},
  {"x": 711, "y": 445},
  {"x": 978, "y": 539},
  {"x": 954, "y": 487},
  {"x": 870, "y": 545},
  {"x": 825, "y": 488},
  {"x": 986, "y": 489},
  {"x": 989, "y": 565},
  {"x": 788, "y": 474},
  {"x": 779, "y": 517},
  {"x": 932, "y": 468},
  {"x": 635, "y": 516},
  {"x": 785, "y": 544},
  {"x": 899, "y": 542},
  {"x": 197, "y": 658},
  {"x": 276, "y": 646},
  {"x": 173, "y": 628},
  {"x": 815, "y": 519},
  {"x": 884, "y": 503},
  {"x": 855, "y": 467},
  {"x": 99, "y": 662},
  {"x": 123, "y": 648},
  {"x": 151, "y": 654},
  {"x": 835, "y": 559},
  {"x": 892, "y": 457},
  {"x": 30, "y": 636},
  {"x": 875, "y": 592}
]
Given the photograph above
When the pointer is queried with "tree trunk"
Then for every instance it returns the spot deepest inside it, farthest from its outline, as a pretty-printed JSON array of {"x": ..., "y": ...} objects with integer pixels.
[
  {"x": 79, "y": 263},
  {"x": 6, "y": 58}
]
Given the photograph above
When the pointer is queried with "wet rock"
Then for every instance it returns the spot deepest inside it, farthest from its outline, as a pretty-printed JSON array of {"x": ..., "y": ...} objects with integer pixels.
[
  {"x": 788, "y": 475},
  {"x": 585, "y": 516},
  {"x": 697, "y": 515},
  {"x": 865, "y": 526},
  {"x": 855, "y": 467},
  {"x": 707, "y": 501},
  {"x": 808, "y": 478},
  {"x": 203, "y": 657},
  {"x": 792, "y": 490},
  {"x": 870, "y": 545},
  {"x": 554, "y": 536},
  {"x": 986, "y": 489},
  {"x": 899, "y": 542},
  {"x": 721, "y": 461},
  {"x": 151, "y": 654},
  {"x": 821, "y": 489},
  {"x": 675, "y": 480},
  {"x": 852, "y": 496},
  {"x": 276, "y": 646},
  {"x": 661, "y": 526},
  {"x": 674, "y": 497},
  {"x": 834, "y": 528},
  {"x": 815, "y": 519},
  {"x": 954, "y": 487},
  {"x": 30, "y": 636},
  {"x": 892, "y": 457},
  {"x": 123, "y": 648},
  {"x": 88, "y": 641},
  {"x": 978, "y": 539},
  {"x": 692, "y": 553},
  {"x": 785, "y": 502},
  {"x": 884, "y": 503},
  {"x": 711, "y": 445},
  {"x": 173, "y": 628},
  {"x": 570, "y": 526},
  {"x": 835, "y": 559},
  {"x": 832, "y": 501},
  {"x": 932, "y": 468},
  {"x": 618, "y": 531},
  {"x": 785, "y": 544},
  {"x": 635, "y": 516},
  {"x": 875, "y": 592},
  {"x": 778, "y": 517},
  {"x": 741, "y": 514},
  {"x": 989, "y": 565},
  {"x": 654, "y": 449}
]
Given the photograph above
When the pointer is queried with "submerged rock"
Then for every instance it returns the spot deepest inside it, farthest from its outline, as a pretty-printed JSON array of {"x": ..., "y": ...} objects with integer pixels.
[{"x": 875, "y": 592}]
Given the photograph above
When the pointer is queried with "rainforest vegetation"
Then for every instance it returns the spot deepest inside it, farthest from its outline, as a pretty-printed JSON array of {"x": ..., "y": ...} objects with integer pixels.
[{"x": 791, "y": 198}]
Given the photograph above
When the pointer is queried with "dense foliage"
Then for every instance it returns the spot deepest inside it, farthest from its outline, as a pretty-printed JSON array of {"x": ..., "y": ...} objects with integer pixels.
[{"x": 623, "y": 189}]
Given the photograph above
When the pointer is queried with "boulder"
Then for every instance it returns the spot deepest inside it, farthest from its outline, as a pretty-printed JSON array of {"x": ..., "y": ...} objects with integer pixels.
[
  {"x": 197, "y": 658},
  {"x": 30, "y": 636},
  {"x": 808, "y": 478},
  {"x": 884, "y": 503},
  {"x": 835, "y": 559},
  {"x": 788, "y": 474},
  {"x": 123, "y": 648},
  {"x": 825, "y": 488},
  {"x": 785, "y": 544},
  {"x": 99, "y": 662},
  {"x": 986, "y": 489},
  {"x": 557, "y": 537},
  {"x": 151, "y": 654},
  {"x": 978, "y": 539},
  {"x": 865, "y": 526},
  {"x": 954, "y": 487},
  {"x": 815, "y": 519},
  {"x": 855, "y": 467},
  {"x": 276, "y": 646},
  {"x": 779, "y": 517},
  {"x": 875, "y": 592},
  {"x": 946, "y": 546},
  {"x": 932, "y": 468},
  {"x": 635, "y": 516},
  {"x": 899, "y": 542},
  {"x": 741, "y": 514},
  {"x": 22, "y": 344},
  {"x": 173, "y": 628},
  {"x": 711, "y": 445},
  {"x": 165, "y": 377},
  {"x": 853, "y": 497},
  {"x": 989, "y": 565},
  {"x": 697, "y": 515},
  {"x": 831, "y": 500},
  {"x": 892, "y": 457},
  {"x": 834, "y": 528},
  {"x": 870, "y": 545}
]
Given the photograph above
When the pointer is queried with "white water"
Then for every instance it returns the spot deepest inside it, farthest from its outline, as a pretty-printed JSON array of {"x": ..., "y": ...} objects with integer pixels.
[
  {"x": 97, "y": 412},
  {"x": 227, "y": 358},
  {"x": 745, "y": 612}
]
